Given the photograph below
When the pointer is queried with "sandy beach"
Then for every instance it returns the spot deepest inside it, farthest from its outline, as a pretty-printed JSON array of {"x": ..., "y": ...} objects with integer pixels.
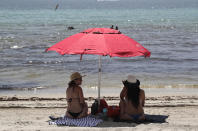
[
  {"x": 33, "y": 81},
  {"x": 32, "y": 113}
]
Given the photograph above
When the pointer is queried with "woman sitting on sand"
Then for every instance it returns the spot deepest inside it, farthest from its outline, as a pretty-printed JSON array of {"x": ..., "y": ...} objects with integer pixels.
[
  {"x": 132, "y": 100},
  {"x": 77, "y": 107}
]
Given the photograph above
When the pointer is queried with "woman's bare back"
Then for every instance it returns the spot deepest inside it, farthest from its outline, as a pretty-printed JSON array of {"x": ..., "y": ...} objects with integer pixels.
[
  {"x": 131, "y": 109},
  {"x": 75, "y": 99}
]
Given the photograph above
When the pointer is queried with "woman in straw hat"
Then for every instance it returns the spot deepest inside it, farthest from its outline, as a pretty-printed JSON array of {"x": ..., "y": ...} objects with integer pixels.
[
  {"x": 132, "y": 100},
  {"x": 77, "y": 107}
]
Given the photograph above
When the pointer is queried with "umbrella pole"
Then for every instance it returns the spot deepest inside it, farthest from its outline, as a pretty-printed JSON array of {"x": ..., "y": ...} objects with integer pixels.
[{"x": 99, "y": 77}]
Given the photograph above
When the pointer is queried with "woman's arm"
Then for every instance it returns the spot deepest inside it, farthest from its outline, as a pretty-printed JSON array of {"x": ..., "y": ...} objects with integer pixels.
[
  {"x": 123, "y": 93},
  {"x": 81, "y": 96},
  {"x": 66, "y": 93},
  {"x": 142, "y": 96}
]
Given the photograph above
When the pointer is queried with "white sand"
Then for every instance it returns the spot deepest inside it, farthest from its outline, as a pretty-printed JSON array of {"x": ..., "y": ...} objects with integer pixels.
[{"x": 28, "y": 113}]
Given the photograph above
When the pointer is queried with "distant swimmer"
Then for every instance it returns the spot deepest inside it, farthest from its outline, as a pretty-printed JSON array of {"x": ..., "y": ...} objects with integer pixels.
[
  {"x": 70, "y": 28},
  {"x": 116, "y": 28},
  {"x": 57, "y": 5},
  {"x": 111, "y": 27}
]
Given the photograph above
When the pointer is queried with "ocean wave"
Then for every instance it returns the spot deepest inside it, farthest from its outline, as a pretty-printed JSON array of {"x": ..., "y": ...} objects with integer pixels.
[
  {"x": 107, "y": 0},
  {"x": 35, "y": 88},
  {"x": 16, "y": 47},
  {"x": 171, "y": 86},
  {"x": 21, "y": 86},
  {"x": 173, "y": 59},
  {"x": 10, "y": 87}
]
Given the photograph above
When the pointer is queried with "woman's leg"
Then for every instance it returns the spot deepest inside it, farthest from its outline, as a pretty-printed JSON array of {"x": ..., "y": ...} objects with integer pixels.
[
  {"x": 122, "y": 107},
  {"x": 142, "y": 117},
  {"x": 84, "y": 111},
  {"x": 68, "y": 115}
]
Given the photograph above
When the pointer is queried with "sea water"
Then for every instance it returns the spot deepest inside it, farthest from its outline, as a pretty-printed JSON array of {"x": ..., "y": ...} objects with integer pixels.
[{"x": 168, "y": 29}]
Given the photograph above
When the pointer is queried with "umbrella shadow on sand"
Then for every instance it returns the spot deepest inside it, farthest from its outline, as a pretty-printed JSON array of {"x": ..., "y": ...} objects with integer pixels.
[{"x": 149, "y": 119}]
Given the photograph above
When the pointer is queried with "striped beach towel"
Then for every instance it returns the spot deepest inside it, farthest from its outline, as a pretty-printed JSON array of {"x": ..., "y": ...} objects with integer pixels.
[{"x": 88, "y": 121}]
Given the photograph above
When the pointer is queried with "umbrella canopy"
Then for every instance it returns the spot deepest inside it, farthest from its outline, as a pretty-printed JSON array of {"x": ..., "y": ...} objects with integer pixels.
[{"x": 102, "y": 42}]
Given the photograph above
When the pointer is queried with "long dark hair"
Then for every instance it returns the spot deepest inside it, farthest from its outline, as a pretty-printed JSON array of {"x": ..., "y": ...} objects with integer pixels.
[
  {"x": 133, "y": 92},
  {"x": 72, "y": 84}
]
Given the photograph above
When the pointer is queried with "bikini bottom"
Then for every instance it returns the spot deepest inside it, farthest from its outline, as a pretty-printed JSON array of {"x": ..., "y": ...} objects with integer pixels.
[
  {"x": 136, "y": 117},
  {"x": 74, "y": 115}
]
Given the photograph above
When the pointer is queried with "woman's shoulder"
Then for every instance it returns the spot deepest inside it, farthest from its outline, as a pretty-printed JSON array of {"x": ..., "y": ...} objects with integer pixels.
[
  {"x": 78, "y": 89},
  {"x": 142, "y": 93},
  {"x": 67, "y": 89},
  {"x": 124, "y": 89}
]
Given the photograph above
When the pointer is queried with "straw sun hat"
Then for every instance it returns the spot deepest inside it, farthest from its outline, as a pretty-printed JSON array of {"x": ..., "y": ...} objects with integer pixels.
[
  {"x": 76, "y": 75},
  {"x": 131, "y": 79}
]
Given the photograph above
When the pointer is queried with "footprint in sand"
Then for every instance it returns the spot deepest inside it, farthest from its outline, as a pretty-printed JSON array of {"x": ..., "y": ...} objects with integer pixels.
[{"x": 24, "y": 123}]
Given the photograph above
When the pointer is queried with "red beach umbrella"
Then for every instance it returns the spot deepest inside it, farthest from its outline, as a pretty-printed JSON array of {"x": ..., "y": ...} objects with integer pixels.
[{"x": 102, "y": 42}]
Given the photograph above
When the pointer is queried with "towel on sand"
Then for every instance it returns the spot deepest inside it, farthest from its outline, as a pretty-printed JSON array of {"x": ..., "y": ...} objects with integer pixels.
[
  {"x": 88, "y": 121},
  {"x": 155, "y": 118},
  {"x": 148, "y": 119}
]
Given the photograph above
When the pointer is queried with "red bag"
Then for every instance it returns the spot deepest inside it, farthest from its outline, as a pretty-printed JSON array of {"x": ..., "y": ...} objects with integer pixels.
[
  {"x": 103, "y": 104},
  {"x": 113, "y": 111}
]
